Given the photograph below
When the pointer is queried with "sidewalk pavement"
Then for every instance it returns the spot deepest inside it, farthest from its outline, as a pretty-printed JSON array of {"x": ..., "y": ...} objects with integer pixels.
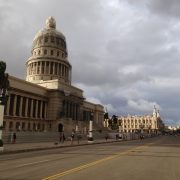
[{"x": 25, "y": 147}]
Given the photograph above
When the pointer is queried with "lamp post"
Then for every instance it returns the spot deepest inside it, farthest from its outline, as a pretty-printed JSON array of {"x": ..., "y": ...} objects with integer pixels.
[
  {"x": 90, "y": 138},
  {"x": 4, "y": 86}
]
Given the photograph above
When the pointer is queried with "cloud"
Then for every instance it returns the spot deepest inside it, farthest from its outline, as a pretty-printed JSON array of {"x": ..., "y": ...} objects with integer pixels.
[
  {"x": 142, "y": 105},
  {"x": 124, "y": 53}
]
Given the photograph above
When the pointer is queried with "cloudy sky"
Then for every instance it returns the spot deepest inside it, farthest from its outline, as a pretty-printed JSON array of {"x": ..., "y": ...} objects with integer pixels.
[{"x": 125, "y": 54}]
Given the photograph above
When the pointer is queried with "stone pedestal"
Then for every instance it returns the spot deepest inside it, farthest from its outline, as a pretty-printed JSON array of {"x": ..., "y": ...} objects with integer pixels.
[
  {"x": 1, "y": 125},
  {"x": 90, "y": 138}
]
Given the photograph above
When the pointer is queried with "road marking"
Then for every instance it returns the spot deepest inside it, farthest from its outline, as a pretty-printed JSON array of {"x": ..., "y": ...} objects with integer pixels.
[
  {"x": 94, "y": 163},
  {"x": 27, "y": 164}
]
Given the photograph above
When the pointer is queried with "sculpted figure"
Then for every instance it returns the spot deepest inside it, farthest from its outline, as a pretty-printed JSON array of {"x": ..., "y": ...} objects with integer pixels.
[
  {"x": 4, "y": 82},
  {"x": 50, "y": 23}
]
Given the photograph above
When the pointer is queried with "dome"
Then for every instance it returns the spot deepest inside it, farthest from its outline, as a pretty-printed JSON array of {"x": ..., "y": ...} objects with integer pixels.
[
  {"x": 49, "y": 35},
  {"x": 49, "y": 57}
]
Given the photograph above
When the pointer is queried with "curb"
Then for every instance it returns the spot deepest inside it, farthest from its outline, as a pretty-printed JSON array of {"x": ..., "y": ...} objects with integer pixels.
[{"x": 53, "y": 147}]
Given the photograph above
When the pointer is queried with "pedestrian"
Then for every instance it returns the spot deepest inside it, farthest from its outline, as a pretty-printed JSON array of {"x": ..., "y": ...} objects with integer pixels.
[
  {"x": 61, "y": 137},
  {"x": 117, "y": 137},
  {"x": 72, "y": 137},
  {"x": 78, "y": 138},
  {"x": 64, "y": 138},
  {"x": 14, "y": 138}
]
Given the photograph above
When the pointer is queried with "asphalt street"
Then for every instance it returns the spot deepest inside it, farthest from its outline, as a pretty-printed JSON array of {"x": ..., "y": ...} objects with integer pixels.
[{"x": 154, "y": 158}]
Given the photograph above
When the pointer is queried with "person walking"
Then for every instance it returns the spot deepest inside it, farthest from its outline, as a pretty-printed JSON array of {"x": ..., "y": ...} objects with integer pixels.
[
  {"x": 14, "y": 138},
  {"x": 72, "y": 136}
]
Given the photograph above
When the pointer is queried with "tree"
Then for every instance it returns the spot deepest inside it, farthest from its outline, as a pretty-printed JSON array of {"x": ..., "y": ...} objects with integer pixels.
[{"x": 106, "y": 115}]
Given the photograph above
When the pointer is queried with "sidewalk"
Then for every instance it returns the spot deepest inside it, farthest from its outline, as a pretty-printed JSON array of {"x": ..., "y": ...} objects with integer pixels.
[{"x": 25, "y": 147}]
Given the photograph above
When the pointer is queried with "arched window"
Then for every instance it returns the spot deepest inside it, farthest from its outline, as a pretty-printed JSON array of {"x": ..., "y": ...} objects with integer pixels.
[
  {"x": 57, "y": 53},
  {"x": 39, "y": 52}
]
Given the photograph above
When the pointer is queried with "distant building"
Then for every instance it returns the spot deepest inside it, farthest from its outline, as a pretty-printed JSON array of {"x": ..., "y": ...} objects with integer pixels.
[
  {"x": 147, "y": 123},
  {"x": 47, "y": 101}
]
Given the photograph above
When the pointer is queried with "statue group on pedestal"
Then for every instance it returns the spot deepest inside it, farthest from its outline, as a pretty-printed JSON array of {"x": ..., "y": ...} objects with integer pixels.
[{"x": 4, "y": 84}]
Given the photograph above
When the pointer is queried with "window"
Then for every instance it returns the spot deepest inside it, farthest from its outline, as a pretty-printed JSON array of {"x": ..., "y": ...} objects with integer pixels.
[
  {"x": 52, "y": 52},
  {"x": 10, "y": 125},
  {"x": 39, "y": 52},
  {"x": 58, "y": 53},
  {"x": 23, "y": 126},
  {"x": 18, "y": 126},
  {"x": 46, "y": 39},
  {"x": 57, "y": 40},
  {"x": 52, "y": 39},
  {"x": 29, "y": 126},
  {"x": 45, "y": 51}
]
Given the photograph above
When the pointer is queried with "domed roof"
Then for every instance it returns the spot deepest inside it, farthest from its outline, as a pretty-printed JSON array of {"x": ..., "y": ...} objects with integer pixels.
[{"x": 48, "y": 30}]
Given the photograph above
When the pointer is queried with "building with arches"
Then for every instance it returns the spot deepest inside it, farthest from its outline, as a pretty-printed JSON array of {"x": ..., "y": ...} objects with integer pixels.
[
  {"x": 147, "y": 123},
  {"x": 46, "y": 100}
]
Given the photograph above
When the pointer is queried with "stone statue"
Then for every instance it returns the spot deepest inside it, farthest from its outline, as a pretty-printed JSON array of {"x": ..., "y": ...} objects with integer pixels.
[
  {"x": 50, "y": 23},
  {"x": 4, "y": 83}
]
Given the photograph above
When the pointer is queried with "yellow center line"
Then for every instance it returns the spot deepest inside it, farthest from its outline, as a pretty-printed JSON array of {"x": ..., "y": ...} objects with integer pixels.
[{"x": 93, "y": 163}]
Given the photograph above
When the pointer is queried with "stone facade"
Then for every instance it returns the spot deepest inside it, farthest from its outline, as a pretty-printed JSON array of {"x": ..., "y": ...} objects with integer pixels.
[
  {"x": 147, "y": 123},
  {"x": 47, "y": 101}
]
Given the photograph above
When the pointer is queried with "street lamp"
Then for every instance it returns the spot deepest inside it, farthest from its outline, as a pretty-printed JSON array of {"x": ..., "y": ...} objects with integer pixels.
[
  {"x": 4, "y": 86},
  {"x": 90, "y": 138}
]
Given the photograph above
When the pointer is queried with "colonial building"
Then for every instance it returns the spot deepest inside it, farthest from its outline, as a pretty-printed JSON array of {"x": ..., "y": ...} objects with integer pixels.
[
  {"x": 147, "y": 123},
  {"x": 47, "y": 101}
]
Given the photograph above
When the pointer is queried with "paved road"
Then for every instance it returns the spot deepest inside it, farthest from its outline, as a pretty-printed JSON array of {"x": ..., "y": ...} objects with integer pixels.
[{"x": 155, "y": 158}]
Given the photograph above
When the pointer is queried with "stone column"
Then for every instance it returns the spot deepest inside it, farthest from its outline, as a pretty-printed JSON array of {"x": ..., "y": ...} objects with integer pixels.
[
  {"x": 58, "y": 69},
  {"x": 36, "y": 110},
  {"x": 14, "y": 105},
  {"x": 49, "y": 68},
  {"x": 41, "y": 107},
  {"x": 65, "y": 73},
  {"x": 70, "y": 75},
  {"x": 45, "y": 70},
  {"x": 61, "y": 70},
  {"x": 45, "y": 109},
  {"x": 73, "y": 106},
  {"x": 8, "y": 105},
  {"x": 36, "y": 67},
  {"x": 26, "y": 107},
  {"x": 20, "y": 107},
  {"x": 40, "y": 67},
  {"x": 53, "y": 68},
  {"x": 31, "y": 112}
]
